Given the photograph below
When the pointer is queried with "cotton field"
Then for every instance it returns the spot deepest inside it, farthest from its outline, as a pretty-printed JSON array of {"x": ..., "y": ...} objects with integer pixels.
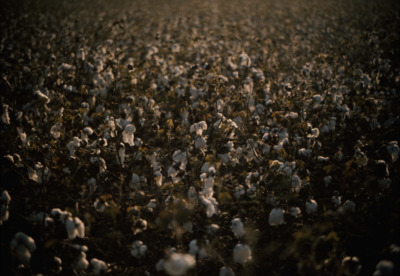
[{"x": 200, "y": 137}]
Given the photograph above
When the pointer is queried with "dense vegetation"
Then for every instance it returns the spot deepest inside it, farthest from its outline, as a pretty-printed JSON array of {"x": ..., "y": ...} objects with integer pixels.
[{"x": 209, "y": 137}]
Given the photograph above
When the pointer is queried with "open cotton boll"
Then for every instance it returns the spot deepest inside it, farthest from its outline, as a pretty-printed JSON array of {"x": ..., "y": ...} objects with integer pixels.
[
  {"x": 75, "y": 228},
  {"x": 138, "y": 249},
  {"x": 211, "y": 205},
  {"x": 311, "y": 206},
  {"x": 384, "y": 268},
  {"x": 22, "y": 246},
  {"x": 351, "y": 266},
  {"x": 226, "y": 271},
  {"x": 237, "y": 227},
  {"x": 198, "y": 128},
  {"x": 276, "y": 216},
  {"x": 242, "y": 254},
  {"x": 81, "y": 262},
  {"x": 99, "y": 266},
  {"x": 128, "y": 134},
  {"x": 178, "y": 264},
  {"x": 295, "y": 211},
  {"x": 195, "y": 249}
]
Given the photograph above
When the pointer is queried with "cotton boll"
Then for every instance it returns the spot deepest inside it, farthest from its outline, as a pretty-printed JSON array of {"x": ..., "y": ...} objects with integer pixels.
[
  {"x": 22, "y": 246},
  {"x": 295, "y": 211},
  {"x": 384, "y": 268},
  {"x": 212, "y": 229},
  {"x": 394, "y": 150},
  {"x": 200, "y": 142},
  {"x": 135, "y": 181},
  {"x": 237, "y": 227},
  {"x": 195, "y": 249},
  {"x": 75, "y": 228},
  {"x": 348, "y": 207},
  {"x": 311, "y": 206},
  {"x": 276, "y": 216},
  {"x": 128, "y": 134},
  {"x": 82, "y": 263},
  {"x": 178, "y": 264},
  {"x": 305, "y": 152},
  {"x": 5, "y": 117},
  {"x": 211, "y": 205},
  {"x": 336, "y": 200},
  {"x": 226, "y": 271},
  {"x": 158, "y": 178},
  {"x": 351, "y": 266},
  {"x": 138, "y": 249},
  {"x": 55, "y": 131},
  {"x": 242, "y": 254},
  {"x": 99, "y": 266}
]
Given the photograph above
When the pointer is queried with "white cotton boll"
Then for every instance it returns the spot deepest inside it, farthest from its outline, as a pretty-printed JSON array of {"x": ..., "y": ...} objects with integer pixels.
[
  {"x": 178, "y": 264},
  {"x": 194, "y": 249},
  {"x": 135, "y": 181},
  {"x": 41, "y": 97},
  {"x": 323, "y": 159},
  {"x": 75, "y": 228},
  {"x": 4, "y": 214},
  {"x": 336, "y": 200},
  {"x": 160, "y": 265},
  {"x": 245, "y": 60},
  {"x": 305, "y": 152},
  {"x": 99, "y": 266},
  {"x": 295, "y": 211},
  {"x": 226, "y": 271},
  {"x": 394, "y": 150},
  {"x": 23, "y": 246},
  {"x": 237, "y": 227},
  {"x": 198, "y": 128},
  {"x": 5, "y": 197},
  {"x": 311, "y": 206},
  {"x": 82, "y": 263},
  {"x": 351, "y": 266},
  {"x": 242, "y": 254},
  {"x": 158, "y": 178},
  {"x": 72, "y": 145},
  {"x": 22, "y": 135},
  {"x": 327, "y": 180},
  {"x": 296, "y": 183},
  {"x": 55, "y": 131},
  {"x": 5, "y": 117},
  {"x": 213, "y": 229},
  {"x": 138, "y": 249},
  {"x": 384, "y": 268},
  {"x": 348, "y": 207},
  {"x": 200, "y": 142},
  {"x": 128, "y": 134},
  {"x": 211, "y": 205},
  {"x": 276, "y": 217},
  {"x": 314, "y": 133},
  {"x": 317, "y": 98}
]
